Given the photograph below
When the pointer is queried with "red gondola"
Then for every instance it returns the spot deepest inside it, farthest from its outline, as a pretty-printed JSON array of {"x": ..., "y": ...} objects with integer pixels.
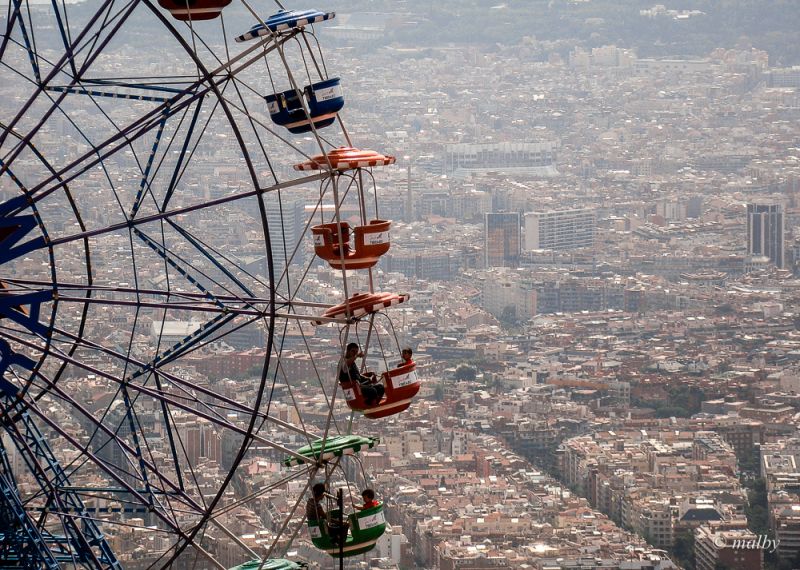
[
  {"x": 371, "y": 242},
  {"x": 401, "y": 383}
]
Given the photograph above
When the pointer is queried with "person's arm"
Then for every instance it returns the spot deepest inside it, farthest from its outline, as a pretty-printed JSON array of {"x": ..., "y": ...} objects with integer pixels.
[{"x": 356, "y": 376}]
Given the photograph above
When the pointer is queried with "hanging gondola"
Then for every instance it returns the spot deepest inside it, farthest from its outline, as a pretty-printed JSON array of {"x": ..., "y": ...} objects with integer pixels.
[
  {"x": 400, "y": 380},
  {"x": 324, "y": 100},
  {"x": 330, "y": 448},
  {"x": 346, "y": 158},
  {"x": 284, "y": 20},
  {"x": 343, "y": 246},
  {"x": 314, "y": 106},
  {"x": 365, "y": 528},
  {"x": 362, "y": 304},
  {"x": 335, "y": 532},
  {"x": 370, "y": 242},
  {"x": 401, "y": 384}
]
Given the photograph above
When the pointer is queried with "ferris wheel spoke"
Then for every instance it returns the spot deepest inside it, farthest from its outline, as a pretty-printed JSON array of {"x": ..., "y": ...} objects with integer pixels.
[
  {"x": 226, "y": 403},
  {"x": 32, "y": 532},
  {"x": 58, "y": 68},
  {"x": 280, "y": 369},
  {"x": 97, "y": 42},
  {"x": 109, "y": 469},
  {"x": 102, "y": 150},
  {"x": 144, "y": 185},
  {"x": 184, "y": 155},
  {"x": 255, "y": 121},
  {"x": 188, "y": 149},
  {"x": 148, "y": 496},
  {"x": 170, "y": 489},
  {"x": 293, "y": 294},
  {"x": 183, "y": 266},
  {"x": 189, "y": 297},
  {"x": 217, "y": 258},
  {"x": 12, "y": 14},
  {"x": 178, "y": 402},
  {"x": 155, "y": 394},
  {"x": 128, "y": 142},
  {"x": 306, "y": 471},
  {"x": 208, "y": 204},
  {"x": 183, "y": 306},
  {"x": 290, "y": 515},
  {"x": 23, "y": 28},
  {"x": 196, "y": 511},
  {"x": 147, "y": 122}
]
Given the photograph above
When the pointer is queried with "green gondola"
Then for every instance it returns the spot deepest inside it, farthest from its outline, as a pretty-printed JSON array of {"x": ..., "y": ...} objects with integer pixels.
[
  {"x": 272, "y": 564},
  {"x": 366, "y": 527},
  {"x": 335, "y": 446}
]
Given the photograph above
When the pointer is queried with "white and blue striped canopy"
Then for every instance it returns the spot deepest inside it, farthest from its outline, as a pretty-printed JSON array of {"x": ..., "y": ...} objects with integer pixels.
[{"x": 285, "y": 20}]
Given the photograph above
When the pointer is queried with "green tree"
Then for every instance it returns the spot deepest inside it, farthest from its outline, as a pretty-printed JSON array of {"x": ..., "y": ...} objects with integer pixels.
[
  {"x": 749, "y": 464},
  {"x": 757, "y": 507},
  {"x": 498, "y": 384},
  {"x": 683, "y": 549},
  {"x": 464, "y": 372},
  {"x": 508, "y": 316},
  {"x": 672, "y": 411}
]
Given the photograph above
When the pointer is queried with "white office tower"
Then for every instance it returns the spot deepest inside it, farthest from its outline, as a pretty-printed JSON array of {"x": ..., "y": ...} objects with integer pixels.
[{"x": 560, "y": 229}]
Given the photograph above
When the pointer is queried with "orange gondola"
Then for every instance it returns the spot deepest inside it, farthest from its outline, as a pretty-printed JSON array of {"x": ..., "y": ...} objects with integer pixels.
[{"x": 371, "y": 242}]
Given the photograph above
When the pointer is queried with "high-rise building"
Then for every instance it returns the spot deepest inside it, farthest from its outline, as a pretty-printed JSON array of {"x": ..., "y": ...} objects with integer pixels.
[
  {"x": 286, "y": 224},
  {"x": 765, "y": 232},
  {"x": 560, "y": 229},
  {"x": 502, "y": 239}
]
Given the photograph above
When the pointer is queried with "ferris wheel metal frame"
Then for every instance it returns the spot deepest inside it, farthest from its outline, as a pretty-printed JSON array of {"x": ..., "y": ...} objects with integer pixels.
[{"x": 39, "y": 344}]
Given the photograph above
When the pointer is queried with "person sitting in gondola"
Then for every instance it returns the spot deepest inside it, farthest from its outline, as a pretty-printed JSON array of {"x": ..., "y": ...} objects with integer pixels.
[
  {"x": 337, "y": 529},
  {"x": 369, "y": 500},
  {"x": 407, "y": 355},
  {"x": 371, "y": 389},
  {"x": 314, "y": 509}
]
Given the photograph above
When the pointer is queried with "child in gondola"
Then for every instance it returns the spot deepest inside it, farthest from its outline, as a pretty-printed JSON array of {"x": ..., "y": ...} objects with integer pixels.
[
  {"x": 407, "y": 355},
  {"x": 369, "y": 500}
]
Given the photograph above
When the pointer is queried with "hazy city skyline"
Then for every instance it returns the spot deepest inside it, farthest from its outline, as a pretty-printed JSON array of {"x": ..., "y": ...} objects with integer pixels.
[{"x": 581, "y": 216}]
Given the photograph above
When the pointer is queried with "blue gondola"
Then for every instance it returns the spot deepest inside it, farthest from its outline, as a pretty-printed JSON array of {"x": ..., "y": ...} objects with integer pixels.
[
  {"x": 324, "y": 100},
  {"x": 323, "y": 94}
]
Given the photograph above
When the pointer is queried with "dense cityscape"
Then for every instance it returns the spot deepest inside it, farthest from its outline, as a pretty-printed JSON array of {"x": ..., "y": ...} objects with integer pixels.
[{"x": 601, "y": 253}]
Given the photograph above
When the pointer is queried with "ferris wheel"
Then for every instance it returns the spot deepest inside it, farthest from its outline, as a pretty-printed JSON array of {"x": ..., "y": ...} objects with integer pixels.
[{"x": 169, "y": 186}]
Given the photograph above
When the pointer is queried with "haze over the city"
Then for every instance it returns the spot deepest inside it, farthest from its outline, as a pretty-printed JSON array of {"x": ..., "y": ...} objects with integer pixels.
[{"x": 582, "y": 218}]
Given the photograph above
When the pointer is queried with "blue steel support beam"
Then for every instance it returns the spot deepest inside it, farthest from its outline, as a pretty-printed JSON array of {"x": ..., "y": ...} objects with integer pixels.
[
  {"x": 21, "y": 541},
  {"x": 84, "y": 541}
]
